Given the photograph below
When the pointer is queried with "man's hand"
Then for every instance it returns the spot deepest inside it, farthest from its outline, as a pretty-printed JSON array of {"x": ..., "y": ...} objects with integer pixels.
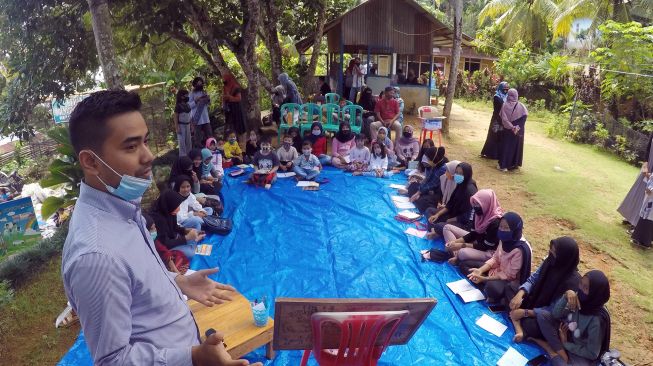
[
  {"x": 199, "y": 287},
  {"x": 212, "y": 353}
]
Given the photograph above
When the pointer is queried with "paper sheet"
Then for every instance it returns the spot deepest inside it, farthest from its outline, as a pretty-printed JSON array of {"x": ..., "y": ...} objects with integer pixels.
[
  {"x": 262, "y": 171},
  {"x": 400, "y": 199},
  {"x": 460, "y": 286},
  {"x": 306, "y": 183},
  {"x": 404, "y": 205},
  {"x": 286, "y": 175},
  {"x": 410, "y": 215},
  {"x": 512, "y": 358},
  {"x": 414, "y": 232},
  {"x": 491, "y": 325},
  {"x": 397, "y": 186},
  {"x": 245, "y": 166},
  {"x": 472, "y": 295}
]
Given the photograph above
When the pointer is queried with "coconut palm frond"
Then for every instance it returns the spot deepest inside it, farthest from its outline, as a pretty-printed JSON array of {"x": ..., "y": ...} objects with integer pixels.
[{"x": 495, "y": 9}]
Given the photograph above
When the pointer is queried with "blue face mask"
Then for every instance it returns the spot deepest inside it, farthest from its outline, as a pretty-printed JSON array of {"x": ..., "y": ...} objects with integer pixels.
[
  {"x": 504, "y": 235},
  {"x": 130, "y": 188},
  {"x": 153, "y": 235},
  {"x": 458, "y": 178}
]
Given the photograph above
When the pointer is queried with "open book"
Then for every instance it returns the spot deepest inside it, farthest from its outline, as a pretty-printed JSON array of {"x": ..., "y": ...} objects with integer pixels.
[{"x": 466, "y": 290}]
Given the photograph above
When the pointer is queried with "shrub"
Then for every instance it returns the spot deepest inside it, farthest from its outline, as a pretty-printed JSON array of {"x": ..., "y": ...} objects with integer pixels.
[
  {"x": 6, "y": 293},
  {"x": 600, "y": 134}
]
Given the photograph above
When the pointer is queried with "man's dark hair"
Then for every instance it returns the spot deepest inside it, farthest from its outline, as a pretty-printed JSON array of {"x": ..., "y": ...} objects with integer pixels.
[
  {"x": 87, "y": 125},
  {"x": 389, "y": 89},
  {"x": 265, "y": 140},
  {"x": 322, "y": 78},
  {"x": 307, "y": 143},
  {"x": 196, "y": 79}
]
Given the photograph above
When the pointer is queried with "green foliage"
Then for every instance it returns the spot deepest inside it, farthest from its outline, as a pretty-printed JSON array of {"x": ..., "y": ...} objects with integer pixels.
[
  {"x": 600, "y": 134},
  {"x": 6, "y": 293},
  {"x": 521, "y": 21},
  {"x": 517, "y": 66},
  {"x": 63, "y": 171},
  {"x": 488, "y": 40},
  {"x": 554, "y": 68}
]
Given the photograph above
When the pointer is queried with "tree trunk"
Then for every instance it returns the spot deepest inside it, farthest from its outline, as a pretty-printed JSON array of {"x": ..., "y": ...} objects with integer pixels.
[
  {"x": 457, "y": 6},
  {"x": 308, "y": 82},
  {"x": 270, "y": 36},
  {"x": 101, "y": 21}
]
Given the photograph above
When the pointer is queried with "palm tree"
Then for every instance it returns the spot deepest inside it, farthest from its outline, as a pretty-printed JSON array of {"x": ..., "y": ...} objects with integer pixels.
[
  {"x": 599, "y": 11},
  {"x": 528, "y": 20}
]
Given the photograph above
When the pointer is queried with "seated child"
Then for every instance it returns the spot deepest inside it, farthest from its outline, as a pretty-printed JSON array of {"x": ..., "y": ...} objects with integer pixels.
[
  {"x": 378, "y": 163},
  {"x": 307, "y": 166},
  {"x": 319, "y": 143},
  {"x": 266, "y": 164},
  {"x": 251, "y": 147},
  {"x": 359, "y": 155},
  {"x": 175, "y": 261},
  {"x": 287, "y": 154},
  {"x": 210, "y": 175},
  {"x": 341, "y": 146},
  {"x": 191, "y": 211},
  {"x": 232, "y": 150},
  {"x": 406, "y": 147},
  {"x": 216, "y": 159},
  {"x": 382, "y": 137},
  {"x": 296, "y": 138}
]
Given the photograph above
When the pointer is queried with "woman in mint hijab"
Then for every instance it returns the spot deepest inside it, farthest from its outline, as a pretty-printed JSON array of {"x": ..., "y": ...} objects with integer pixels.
[{"x": 492, "y": 143}]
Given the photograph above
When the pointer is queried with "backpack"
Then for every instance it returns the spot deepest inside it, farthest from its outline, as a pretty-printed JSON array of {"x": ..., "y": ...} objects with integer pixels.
[{"x": 217, "y": 225}]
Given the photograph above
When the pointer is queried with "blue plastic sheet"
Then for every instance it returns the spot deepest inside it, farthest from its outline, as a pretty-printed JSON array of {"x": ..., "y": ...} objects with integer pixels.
[{"x": 343, "y": 242}]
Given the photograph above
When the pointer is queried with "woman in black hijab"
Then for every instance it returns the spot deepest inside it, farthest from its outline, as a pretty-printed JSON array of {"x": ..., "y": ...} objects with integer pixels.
[
  {"x": 367, "y": 102},
  {"x": 578, "y": 333},
  {"x": 557, "y": 275},
  {"x": 184, "y": 166},
  {"x": 426, "y": 193},
  {"x": 205, "y": 186},
  {"x": 169, "y": 233},
  {"x": 458, "y": 210}
]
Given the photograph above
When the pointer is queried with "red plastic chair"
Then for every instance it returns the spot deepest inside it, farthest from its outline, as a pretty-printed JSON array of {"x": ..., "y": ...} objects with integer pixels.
[{"x": 359, "y": 333}]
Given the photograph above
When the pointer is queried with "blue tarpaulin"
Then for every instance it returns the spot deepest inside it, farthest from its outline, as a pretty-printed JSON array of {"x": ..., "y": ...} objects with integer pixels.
[{"x": 343, "y": 242}]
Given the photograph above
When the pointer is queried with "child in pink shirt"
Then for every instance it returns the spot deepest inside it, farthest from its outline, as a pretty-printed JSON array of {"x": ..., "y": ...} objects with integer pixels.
[{"x": 341, "y": 146}]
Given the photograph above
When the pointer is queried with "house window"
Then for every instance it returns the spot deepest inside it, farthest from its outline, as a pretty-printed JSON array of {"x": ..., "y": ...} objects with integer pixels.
[{"x": 472, "y": 65}]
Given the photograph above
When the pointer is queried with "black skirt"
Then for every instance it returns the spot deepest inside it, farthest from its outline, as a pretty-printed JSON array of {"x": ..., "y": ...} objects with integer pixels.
[
  {"x": 643, "y": 232},
  {"x": 511, "y": 152},
  {"x": 235, "y": 117}
]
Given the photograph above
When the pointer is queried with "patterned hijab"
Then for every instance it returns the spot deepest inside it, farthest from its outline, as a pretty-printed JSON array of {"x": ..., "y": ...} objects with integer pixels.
[
  {"x": 487, "y": 200},
  {"x": 447, "y": 186},
  {"x": 500, "y": 93}
]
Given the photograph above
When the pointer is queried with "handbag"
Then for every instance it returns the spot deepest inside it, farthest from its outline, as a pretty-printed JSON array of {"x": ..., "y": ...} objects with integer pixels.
[
  {"x": 217, "y": 225},
  {"x": 216, "y": 205}
]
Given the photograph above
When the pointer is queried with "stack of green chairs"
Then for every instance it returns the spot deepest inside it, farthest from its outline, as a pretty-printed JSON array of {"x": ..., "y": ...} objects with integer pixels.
[
  {"x": 331, "y": 112},
  {"x": 332, "y": 98},
  {"x": 295, "y": 110},
  {"x": 355, "y": 119},
  {"x": 311, "y": 112}
]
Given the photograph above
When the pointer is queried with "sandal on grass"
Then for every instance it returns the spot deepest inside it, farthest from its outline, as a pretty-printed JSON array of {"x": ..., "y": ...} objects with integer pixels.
[{"x": 67, "y": 318}]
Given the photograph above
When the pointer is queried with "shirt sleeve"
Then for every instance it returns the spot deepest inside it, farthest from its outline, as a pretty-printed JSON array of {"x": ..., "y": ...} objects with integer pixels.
[
  {"x": 532, "y": 279},
  {"x": 100, "y": 292},
  {"x": 191, "y": 101}
]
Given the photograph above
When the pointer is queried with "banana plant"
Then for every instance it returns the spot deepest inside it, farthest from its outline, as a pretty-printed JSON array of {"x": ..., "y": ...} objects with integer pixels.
[{"x": 64, "y": 171}]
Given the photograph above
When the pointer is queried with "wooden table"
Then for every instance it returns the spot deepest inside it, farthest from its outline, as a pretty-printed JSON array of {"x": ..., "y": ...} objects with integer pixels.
[{"x": 235, "y": 320}]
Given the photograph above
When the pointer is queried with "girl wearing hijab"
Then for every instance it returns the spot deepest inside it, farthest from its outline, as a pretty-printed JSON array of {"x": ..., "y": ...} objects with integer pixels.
[
  {"x": 492, "y": 142},
  {"x": 458, "y": 211},
  {"x": 296, "y": 138},
  {"x": 367, "y": 101},
  {"x": 513, "y": 117},
  {"x": 278, "y": 96},
  {"x": 169, "y": 233},
  {"x": 292, "y": 94},
  {"x": 631, "y": 206},
  {"x": 319, "y": 143},
  {"x": 420, "y": 166},
  {"x": 557, "y": 275},
  {"x": 341, "y": 145},
  {"x": 202, "y": 168},
  {"x": 510, "y": 264},
  {"x": 184, "y": 166},
  {"x": 578, "y": 332},
  {"x": 470, "y": 249},
  {"x": 231, "y": 98},
  {"x": 191, "y": 211},
  {"x": 382, "y": 137},
  {"x": 407, "y": 146},
  {"x": 427, "y": 192}
]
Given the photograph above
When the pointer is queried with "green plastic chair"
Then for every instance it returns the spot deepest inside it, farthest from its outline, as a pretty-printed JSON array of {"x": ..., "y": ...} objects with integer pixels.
[
  {"x": 348, "y": 103},
  {"x": 355, "y": 118},
  {"x": 293, "y": 108},
  {"x": 332, "y": 98},
  {"x": 332, "y": 123},
  {"x": 311, "y": 112}
]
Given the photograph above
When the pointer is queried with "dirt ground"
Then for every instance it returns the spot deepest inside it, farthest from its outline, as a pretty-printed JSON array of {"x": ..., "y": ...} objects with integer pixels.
[{"x": 630, "y": 332}]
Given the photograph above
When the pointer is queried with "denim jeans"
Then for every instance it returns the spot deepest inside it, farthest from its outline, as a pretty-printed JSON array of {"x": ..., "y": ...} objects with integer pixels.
[
  {"x": 307, "y": 174},
  {"x": 195, "y": 222}
]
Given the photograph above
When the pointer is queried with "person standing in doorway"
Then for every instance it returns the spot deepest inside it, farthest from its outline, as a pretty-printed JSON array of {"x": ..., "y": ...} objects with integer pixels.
[
  {"x": 131, "y": 308},
  {"x": 199, "y": 103},
  {"x": 492, "y": 142}
]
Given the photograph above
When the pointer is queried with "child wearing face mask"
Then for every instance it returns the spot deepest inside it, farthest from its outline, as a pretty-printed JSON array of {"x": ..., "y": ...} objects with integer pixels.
[
  {"x": 382, "y": 137},
  {"x": 359, "y": 155},
  {"x": 407, "y": 147},
  {"x": 266, "y": 163},
  {"x": 216, "y": 156},
  {"x": 287, "y": 154},
  {"x": 175, "y": 261},
  {"x": 378, "y": 166},
  {"x": 307, "y": 166},
  {"x": 232, "y": 150},
  {"x": 319, "y": 143},
  {"x": 341, "y": 146},
  {"x": 251, "y": 147}
]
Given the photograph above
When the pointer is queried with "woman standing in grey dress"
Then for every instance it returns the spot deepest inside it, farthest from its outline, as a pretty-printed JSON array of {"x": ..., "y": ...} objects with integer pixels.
[{"x": 632, "y": 204}]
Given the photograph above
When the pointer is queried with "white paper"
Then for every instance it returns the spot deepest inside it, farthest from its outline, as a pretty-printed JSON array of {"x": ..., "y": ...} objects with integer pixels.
[
  {"x": 397, "y": 186},
  {"x": 306, "y": 183},
  {"x": 460, "y": 286},
  {"x": 400, "y": 199},
  {"x": 512, "y": 358},
  {"x": 245, "y": 166},
  {"x": 414, "y": 232},
  {"x": 472, "y": 295},
  {"x": 404, "y": 205},
  {"x": 410, "y": 215},
  {"x": 492, "y": 325},
  {"x": 286, "y": 175},
  {"x": 262, "y": 171}
]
